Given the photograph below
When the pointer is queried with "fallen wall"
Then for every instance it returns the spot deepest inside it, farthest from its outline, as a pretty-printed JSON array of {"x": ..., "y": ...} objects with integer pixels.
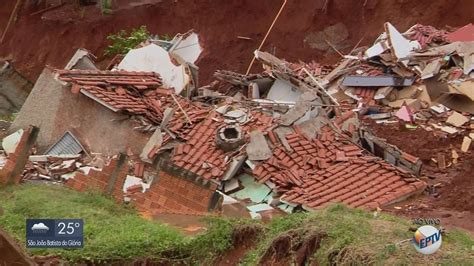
[
  {"x": 11, "y": 172},
  {"x": 170, "y": 192},
  {"x": 55, "y": 110}
]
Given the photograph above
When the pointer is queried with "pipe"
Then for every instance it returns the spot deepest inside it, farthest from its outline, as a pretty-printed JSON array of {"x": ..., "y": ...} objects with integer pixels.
[{"x": 266, "y": 35}]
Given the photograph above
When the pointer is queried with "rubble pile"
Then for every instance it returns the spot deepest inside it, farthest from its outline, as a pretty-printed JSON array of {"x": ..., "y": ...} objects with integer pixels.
[
  {"x": 293, "y": 137},
  {"x": 427, "y": 86},
  {"x": 50, "y": 168}
]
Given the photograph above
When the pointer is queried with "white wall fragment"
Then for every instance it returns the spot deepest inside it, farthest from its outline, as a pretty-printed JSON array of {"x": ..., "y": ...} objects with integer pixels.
[
  {"x": 153, "y": 58},
  {"x": 187, "y": 49},
  {"x": 401, "y": 47},
  {"x": 10, "y": 142}
]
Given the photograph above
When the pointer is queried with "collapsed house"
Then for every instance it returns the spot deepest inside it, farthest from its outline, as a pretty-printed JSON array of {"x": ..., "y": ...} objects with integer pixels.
[{"x": 289, "y": 138}]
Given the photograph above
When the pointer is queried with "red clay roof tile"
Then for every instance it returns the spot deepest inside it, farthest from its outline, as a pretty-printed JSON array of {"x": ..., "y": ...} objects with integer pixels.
[{"x": 361, "y": 180}]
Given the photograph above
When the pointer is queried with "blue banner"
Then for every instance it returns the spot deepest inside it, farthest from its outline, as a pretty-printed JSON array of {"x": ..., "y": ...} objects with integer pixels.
[{"x": 54, "y": 233}]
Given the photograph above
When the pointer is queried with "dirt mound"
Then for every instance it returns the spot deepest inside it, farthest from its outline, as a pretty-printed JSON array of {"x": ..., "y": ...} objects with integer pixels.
[
  {"x": 453, "y": 200},
  {"x": 418, "y": 142},
  {"x": 300, "y": 33},
  {"x": 457, "y": 193}
]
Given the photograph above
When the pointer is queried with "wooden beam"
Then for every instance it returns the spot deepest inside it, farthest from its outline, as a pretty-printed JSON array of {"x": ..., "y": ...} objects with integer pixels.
[{"x": 10, "y": 20}]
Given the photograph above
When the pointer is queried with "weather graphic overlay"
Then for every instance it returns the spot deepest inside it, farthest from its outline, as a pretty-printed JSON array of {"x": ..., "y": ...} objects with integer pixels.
[
  {"x": 427, "y": 239},
  {"x": 54, "y": 233}
]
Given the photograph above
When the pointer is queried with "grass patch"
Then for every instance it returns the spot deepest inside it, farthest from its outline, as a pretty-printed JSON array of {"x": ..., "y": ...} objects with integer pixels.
[
  {"x": 106, "y": 7},
  {"x": 357, "y": 237},
  {"x": 117, "y": 232},
  {"x": 110, "y": 231}
]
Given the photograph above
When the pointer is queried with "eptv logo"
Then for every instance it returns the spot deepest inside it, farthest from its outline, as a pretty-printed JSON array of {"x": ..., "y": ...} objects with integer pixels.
[{"x": 427, "y": 239}]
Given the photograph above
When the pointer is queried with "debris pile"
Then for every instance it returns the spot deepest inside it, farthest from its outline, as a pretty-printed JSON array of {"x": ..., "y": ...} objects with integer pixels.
[
  {"x": 293, "y": 137},
  {"x": 50, "y": 168},
  {"x": 421, "y": 78}
]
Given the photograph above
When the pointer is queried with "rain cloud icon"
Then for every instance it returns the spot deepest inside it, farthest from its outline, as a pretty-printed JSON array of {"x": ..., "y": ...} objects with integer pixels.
[{"x": 39, "y": 228}]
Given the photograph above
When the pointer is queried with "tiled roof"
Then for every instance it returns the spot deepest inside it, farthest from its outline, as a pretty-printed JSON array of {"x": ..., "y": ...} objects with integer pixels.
[
  {"x": 367, "y": 70},
  {"x": 138, "y": 93},
  {"x": 326, "y": 169},
  {"x": 200, "y": 153},
  {"x": 332, "y": 169}
]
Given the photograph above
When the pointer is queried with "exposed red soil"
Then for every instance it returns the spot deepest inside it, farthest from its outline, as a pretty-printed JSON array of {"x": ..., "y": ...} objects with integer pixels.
[
  {"x": 418, "y": 142},
  {"x": 453, "y": 201},
  {"x": 244, "y": 239},
  {"x": 292, "y": 248},
  {"x": 51, "y": 38},
  {"x": 236, "y": 254}
]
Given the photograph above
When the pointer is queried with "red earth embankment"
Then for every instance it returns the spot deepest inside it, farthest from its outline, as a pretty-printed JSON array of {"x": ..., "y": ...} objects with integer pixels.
[{"x": 51, "y": 38}]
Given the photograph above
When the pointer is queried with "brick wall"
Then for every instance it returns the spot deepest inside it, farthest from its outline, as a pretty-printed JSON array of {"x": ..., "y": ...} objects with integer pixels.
[
  {"x": 101, "y": 180},
  {"x": 171, "y": 192},
  {"x": 12, "y": 171},
  {"x": 6, "y": 171},
  {"x": 174, "y": 194}
]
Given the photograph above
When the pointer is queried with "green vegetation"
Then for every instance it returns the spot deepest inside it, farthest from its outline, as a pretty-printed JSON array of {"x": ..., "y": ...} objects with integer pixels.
[
  {"x": 358, "y": 237},
  {"x": 111, "y": 231},
  {"x": 115, "y": 232},
  {"x": 9, "y": 117},
  {"x": 106, "y": 7},
  {"x": 122, "y": 42}
]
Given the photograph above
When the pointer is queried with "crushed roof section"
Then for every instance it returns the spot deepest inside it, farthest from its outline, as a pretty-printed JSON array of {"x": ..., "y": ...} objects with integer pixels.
[
  {"x": 136, "y": 93},
  {"x": 331, "y": 168},
  {"x": 200, "y": 153}
]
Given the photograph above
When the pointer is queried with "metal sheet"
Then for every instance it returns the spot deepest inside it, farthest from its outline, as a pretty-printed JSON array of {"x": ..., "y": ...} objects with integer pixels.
[
  {"x": 381, "y": 81},
  {"x": 252, "y": 190},
  {"x": 67, "y": 144}
]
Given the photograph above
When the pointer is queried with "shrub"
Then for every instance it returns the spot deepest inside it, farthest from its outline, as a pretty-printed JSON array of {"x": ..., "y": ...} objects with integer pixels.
[{"x": 122, "y": 42}]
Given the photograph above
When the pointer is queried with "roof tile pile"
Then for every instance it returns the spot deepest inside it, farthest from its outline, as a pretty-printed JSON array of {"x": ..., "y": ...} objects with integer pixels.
[
  {"x": 367, "y": 94},
  {"x": 332, "y": 169},
  {"x": 425, "y": 35},
  {"x": 200, "y": 153}
]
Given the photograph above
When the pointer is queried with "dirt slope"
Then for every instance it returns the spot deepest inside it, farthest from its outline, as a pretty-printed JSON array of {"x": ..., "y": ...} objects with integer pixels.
[{"x": 51, "y": 38}]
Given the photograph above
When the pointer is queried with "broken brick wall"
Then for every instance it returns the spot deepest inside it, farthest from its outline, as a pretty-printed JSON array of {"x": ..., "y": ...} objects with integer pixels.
[
  {"x": 171, "y": 192},
  {"x": 16, "y": 161},
  {"x": 109, "y": 180},
  {"x": 174, "y": 192},
  {"x": 54, "y": 109}
]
